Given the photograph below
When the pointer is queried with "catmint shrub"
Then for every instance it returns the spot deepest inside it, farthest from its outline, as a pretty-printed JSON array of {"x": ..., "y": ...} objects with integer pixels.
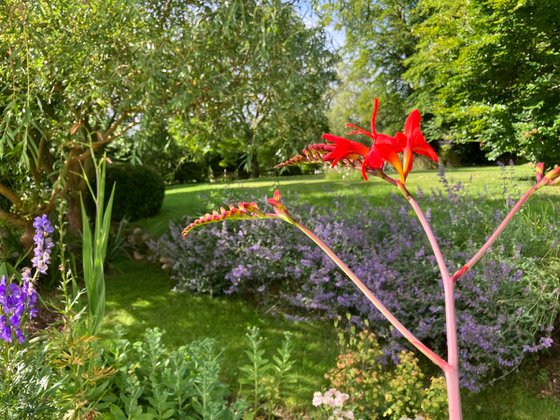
[{"x": 506, "y": 306}]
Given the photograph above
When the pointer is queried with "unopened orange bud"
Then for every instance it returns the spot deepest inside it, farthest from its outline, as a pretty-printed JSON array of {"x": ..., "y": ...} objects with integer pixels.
[
  {"x": 554, "y": 175},
  {"x": 539, "y": 171}
]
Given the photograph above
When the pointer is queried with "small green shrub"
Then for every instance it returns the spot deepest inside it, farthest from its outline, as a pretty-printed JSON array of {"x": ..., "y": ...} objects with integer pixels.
[
  {"x": 191, "y": 171},
  {"x": 27, "y": 384},
  {"x": 79, "y": 366},
  {"x": 384, "y": 391},
  {"x": 154, "y": 382},
  {"x": 265, "y": 383},
  {"x": 139, "y": 192}
]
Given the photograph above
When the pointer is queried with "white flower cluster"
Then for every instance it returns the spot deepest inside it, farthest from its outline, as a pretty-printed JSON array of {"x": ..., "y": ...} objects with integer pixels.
[{"x": 333, "y": 399}]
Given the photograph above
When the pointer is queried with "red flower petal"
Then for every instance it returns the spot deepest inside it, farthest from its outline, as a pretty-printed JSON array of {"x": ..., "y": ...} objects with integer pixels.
[
  {"x": 373, "y": 160},
  {"x": 412, "y": 123},
  {"x": 426, "y": 150},
  {"x": 343, "y": 148},
  {"x": 389, "y": 153},
  {"x": 374, "y": 116},
  {"x": 415, "y": 142}
]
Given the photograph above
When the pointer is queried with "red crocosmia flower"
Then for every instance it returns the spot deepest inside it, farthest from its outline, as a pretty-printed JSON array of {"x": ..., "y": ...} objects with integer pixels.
[
  {"x": 384, "y": 148},
  {"x": 415, "y": 142},
  {"x": 343, "y": 148},
  {"x": 358, "y": 130}
]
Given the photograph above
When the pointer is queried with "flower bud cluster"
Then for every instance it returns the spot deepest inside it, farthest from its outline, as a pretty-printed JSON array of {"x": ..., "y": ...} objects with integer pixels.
[{"x": 43, "y": 243}]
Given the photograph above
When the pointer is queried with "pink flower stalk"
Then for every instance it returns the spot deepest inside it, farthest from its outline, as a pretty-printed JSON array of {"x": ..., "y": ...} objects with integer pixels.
[{"x": 399, "y": 151}]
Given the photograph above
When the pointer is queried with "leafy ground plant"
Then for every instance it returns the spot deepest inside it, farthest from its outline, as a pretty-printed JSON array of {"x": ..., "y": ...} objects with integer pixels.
[
  {"x": 399, "y": 151},
  {"x": 94, "y": 246},
  {"x": 265, "y": 383},
  {"x": 154, "y": 382},
  {"x": 376, "y": 390}
]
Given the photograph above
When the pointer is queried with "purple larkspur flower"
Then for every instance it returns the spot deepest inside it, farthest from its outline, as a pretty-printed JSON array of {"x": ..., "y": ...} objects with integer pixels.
[
  {"x": 43, "y": 243},
  {"x": 15, "y": 303}
]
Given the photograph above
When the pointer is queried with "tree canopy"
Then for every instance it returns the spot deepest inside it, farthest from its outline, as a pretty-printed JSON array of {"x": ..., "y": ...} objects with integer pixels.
[
  {"x": 488, "y": 71},
  {"x": 484, "y": 70},
  {"x": 235, "y": 78}
]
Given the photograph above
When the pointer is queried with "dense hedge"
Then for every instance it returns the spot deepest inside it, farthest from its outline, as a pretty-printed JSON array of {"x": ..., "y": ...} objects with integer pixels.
[{"x": 139, "y": 191}]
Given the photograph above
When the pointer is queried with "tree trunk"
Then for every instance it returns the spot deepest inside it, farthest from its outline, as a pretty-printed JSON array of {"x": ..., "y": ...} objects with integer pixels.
[
  {"x": 255, "y": 170},
  {"x": 77, "y": 188}
]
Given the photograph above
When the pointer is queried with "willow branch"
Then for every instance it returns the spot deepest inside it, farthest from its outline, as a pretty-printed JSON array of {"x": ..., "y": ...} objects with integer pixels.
[{"x": 10, "y": 195}]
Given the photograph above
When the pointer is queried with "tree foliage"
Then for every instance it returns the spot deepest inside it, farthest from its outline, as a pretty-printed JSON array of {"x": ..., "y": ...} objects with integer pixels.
[
  {"x": 221, "y": 77},
  {"x": 484, "y": 70},
  {"x": 269, "y": 95},
  {"x": 488, "y": 71},
  {"x": 379, "y": 39}
]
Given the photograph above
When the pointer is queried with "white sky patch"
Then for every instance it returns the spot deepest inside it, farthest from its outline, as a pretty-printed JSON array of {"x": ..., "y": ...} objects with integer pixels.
[{"x": 310, "y": 19}]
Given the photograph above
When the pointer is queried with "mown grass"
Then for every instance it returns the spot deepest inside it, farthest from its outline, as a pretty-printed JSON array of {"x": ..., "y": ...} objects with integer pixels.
[
  {"x": 195, "y": 199},
  {"x": 517, "y": 398},
  {"x": 139, "y": 294}
]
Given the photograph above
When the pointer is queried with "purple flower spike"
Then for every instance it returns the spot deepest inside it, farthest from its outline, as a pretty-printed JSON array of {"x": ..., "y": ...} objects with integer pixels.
[
  {"x": 3, "y": 298},
  {"x": 19, "y": 335},
  {"x": 6, "y": 334},
  {"x": 43, "y": 243},
  {"x": 16, "y": 304},
  {"x": 42, "y": 223}
]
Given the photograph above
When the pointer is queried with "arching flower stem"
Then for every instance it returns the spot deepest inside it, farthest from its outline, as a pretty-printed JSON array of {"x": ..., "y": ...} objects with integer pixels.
[
  {"x": 437, "y": 360},
  {"x": 543, "y": 181}
]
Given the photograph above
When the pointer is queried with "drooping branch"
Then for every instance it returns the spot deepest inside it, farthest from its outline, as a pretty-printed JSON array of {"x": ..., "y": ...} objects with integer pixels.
[
  {"x": 12, "y": 218},
  {"x": 10, "y": 195}
]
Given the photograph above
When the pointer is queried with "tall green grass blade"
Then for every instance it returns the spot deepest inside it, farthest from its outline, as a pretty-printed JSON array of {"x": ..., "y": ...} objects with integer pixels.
[{"x": 95, "y": 248}]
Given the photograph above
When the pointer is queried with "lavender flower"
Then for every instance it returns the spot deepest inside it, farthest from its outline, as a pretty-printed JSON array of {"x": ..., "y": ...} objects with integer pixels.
[
  {"x": 43, "y": 243},
  {"x": 260, "y": 256}
]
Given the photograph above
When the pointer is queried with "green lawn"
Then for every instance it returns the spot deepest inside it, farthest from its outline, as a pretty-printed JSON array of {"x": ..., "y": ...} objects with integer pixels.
[
  {"x": 196, "y": 199},
  {"x": 139, "y": 294}
]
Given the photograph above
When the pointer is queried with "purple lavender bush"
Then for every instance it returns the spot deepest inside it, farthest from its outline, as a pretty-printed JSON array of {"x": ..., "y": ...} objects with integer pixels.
[{"x": 506, "y": 307}]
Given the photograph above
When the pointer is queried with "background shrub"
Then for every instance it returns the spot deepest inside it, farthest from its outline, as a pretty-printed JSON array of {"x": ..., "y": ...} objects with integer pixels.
[
  {"x": 139, "y": 192},
  {"x": 506, "y": 306},
  {"x": 191, "y": 171}
]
